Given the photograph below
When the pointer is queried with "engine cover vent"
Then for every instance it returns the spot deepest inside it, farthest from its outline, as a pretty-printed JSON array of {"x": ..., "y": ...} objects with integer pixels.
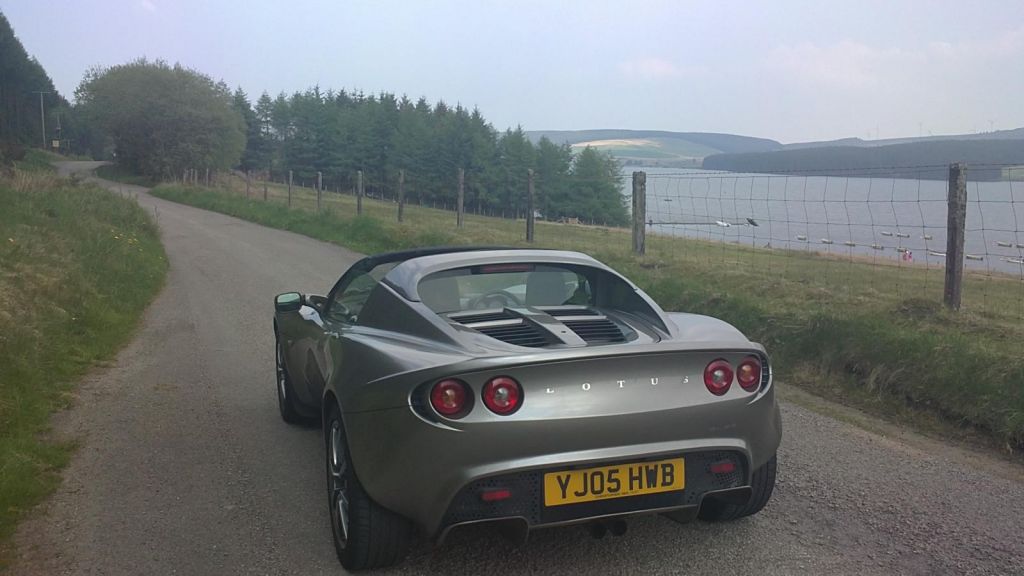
[
  {"x": 597, "y": 330},
  {"x": 521, "y": 334}
]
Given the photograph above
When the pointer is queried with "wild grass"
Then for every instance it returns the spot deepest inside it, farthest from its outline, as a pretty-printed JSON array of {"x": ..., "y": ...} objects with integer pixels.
[
  {"x": 119, "y": 174},
  {"x": 36, "y": 161},
  {"x": 868, "y": 333},
  {"x": 78, "y": 265}
]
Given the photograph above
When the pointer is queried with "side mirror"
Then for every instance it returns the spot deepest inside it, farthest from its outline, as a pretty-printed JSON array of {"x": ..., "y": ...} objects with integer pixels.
[{"x": 288, "y": 302}]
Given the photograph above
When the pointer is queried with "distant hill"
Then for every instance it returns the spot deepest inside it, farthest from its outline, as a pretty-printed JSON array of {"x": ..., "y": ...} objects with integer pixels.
[
  {"x": 920, "y": 158},
  {"x": 657, "y": 147},
  {"x": 1015, "y": 134}
]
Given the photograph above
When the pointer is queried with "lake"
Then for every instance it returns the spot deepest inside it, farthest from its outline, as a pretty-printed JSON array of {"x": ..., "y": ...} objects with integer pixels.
[{"x": 885, "y": 217}]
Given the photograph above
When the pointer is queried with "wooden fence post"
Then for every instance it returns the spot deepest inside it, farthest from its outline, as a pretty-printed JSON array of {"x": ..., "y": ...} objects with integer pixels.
[
  {"x": 359, "y": 192},
  {"x": 289, "y": 188},
  {"x": 639, "y": 212},
  {"x": 248, "y": 177},
  {"x": 529, "y": 206},
  {"x": 265, "y": 178},
  {"x": 460, "y": 215},
  {"x": 401, "y": 194},
  {"x": 956, "y": 220},
  {"x": 207, "y": 178},
  {"x": 319, "y": 189}
]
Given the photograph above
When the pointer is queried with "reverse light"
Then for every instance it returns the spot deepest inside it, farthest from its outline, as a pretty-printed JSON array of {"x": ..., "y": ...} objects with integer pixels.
[
  {"x": 502, "y": 395},
  {"x": 450, "y": 398},
  {"x": 718, "y": 377},
  {"x": 748, "y": 373}
]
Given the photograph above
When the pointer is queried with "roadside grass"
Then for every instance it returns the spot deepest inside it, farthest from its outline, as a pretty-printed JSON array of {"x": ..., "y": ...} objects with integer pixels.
[
  {"x": 78, "y": 265},
  {"x": 119, "y": 174},
  {"x": 867, "y": 333},
  {"x": 36, "y": 161}
]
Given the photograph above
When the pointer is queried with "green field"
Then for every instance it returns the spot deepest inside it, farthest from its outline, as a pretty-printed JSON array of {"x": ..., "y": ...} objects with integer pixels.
[
  {"x": 658, "y": 149},
  {"x": 78, "y": 265},
  {"x": 870, "y": 334}
]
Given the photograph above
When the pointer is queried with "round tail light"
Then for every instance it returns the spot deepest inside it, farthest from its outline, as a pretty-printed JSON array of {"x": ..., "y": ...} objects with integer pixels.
[
  {"x": 718, "y": 377},
  {"x": 450, "y": 398},
  {"x": 502, "y": 395},
  {"x": 748, "y": 373}
]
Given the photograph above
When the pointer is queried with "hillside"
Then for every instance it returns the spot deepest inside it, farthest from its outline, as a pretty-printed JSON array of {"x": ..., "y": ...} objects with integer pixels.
[
  {"x": 902, "y": 160},
  {"x": 657, "y": 147},
  {"x": 1014, "y": 134}
]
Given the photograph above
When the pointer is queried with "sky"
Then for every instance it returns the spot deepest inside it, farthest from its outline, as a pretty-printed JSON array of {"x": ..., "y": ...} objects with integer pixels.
[{"x": 781, "y": 69}]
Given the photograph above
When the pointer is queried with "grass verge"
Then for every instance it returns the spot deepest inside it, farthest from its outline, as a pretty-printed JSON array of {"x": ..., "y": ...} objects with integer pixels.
[
  {"x": 119, "y": 174},
  {"x": 36, "y": 161},
  {"x": 78, "y": 265},
  {"x": 866, "y": 333}
]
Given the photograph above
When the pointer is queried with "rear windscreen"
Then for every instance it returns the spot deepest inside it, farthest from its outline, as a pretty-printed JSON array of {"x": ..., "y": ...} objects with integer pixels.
[{"x": 505, "y": 286}]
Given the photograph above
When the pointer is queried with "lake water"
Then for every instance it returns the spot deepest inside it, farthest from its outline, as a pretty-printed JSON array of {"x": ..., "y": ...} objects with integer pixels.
[{"x": 881, "y": 217}]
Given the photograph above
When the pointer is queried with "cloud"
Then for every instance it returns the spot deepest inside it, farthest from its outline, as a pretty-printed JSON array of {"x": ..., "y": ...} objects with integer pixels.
[
  {"x": 847, "y": 65},
  {"x": 148, "y": 6},
  {"x": 650, "y": 69}
]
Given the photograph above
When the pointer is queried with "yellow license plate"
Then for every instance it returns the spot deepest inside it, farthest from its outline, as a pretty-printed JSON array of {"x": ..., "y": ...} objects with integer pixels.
[{"x": 620, "y": 481}]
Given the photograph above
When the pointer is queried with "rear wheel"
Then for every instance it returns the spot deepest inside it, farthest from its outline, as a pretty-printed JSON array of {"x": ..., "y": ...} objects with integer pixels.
[
  {"x": 285, "y": 393},
  {"x": 762, "y": 483},
  {"x": 366, "y": 535}
]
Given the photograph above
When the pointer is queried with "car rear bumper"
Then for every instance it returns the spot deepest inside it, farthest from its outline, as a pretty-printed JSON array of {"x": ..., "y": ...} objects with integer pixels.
[
  {"x": 432, "y": 474},
  {"x": 526, "y": 501}
]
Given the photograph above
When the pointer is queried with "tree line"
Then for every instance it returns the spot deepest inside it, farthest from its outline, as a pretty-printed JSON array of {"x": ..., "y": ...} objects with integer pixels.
[
  {"x": 22, "y": 79},
  {"x": 160, "y": 120},
  {"x": 337, "y": 133}
]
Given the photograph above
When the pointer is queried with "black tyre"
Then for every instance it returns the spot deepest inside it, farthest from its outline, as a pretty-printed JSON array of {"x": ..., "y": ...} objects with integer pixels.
[
  {"x": 285, "y": 393},
  {"x": 366, "y": 535},
  {"x": 763, "y": 483}
]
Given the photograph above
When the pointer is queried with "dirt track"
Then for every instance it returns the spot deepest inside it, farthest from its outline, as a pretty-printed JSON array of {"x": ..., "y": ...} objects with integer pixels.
[{"x": 185, "y": 467}]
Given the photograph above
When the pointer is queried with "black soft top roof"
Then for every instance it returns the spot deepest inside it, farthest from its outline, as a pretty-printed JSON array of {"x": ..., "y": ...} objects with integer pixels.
[{"x": 371, "y": 262}]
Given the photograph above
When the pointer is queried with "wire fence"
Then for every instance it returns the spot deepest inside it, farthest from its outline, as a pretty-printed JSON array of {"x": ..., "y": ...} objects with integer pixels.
[
  {"x": 867, "y": 232},
  {"x": 862, "y": 237}
]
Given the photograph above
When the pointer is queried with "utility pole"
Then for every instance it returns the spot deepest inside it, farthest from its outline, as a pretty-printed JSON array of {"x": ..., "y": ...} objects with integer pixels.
[{"x": 42, "y": 114}]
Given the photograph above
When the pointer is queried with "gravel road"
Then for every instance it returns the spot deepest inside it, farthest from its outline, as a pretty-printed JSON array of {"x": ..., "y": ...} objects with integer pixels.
[{"x": 186, "y": 468}]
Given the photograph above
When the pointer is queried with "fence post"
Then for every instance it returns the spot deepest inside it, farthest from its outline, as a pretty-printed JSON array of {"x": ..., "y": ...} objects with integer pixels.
[
  {"x": 529, "y": 205},
  {"x": 460, "y": 214},
  {"x": 248, "y": 177},
  {"x": 401, "y": 193},
  {"x": 956, "y": 219},
  {"x": 289, "y": 188},
  {"x": 639, "y": 212},
  {"x": 319, "y": 189},
  {"x": 359, "y": 192},
  {"x": 265, "y": 186}
]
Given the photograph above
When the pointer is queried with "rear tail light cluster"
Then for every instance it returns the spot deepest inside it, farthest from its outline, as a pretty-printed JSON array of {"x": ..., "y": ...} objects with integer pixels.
[
  {"x": 502, "y": 395},
  {"x": 453, "y": 398},
  {"x": 718, "y": 375}
]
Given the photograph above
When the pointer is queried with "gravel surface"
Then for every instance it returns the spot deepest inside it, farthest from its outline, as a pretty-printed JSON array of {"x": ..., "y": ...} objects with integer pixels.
[{"x": 186, "y": 468}]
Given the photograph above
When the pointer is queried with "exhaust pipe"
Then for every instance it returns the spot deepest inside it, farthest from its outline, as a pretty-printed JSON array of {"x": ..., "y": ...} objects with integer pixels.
[
  {"x": 617, "y": 527},
  {"x": 599, "y": 528}
]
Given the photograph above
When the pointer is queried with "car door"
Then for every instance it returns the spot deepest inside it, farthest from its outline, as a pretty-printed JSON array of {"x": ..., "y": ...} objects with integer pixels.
[{"x": 340, "y": 318}]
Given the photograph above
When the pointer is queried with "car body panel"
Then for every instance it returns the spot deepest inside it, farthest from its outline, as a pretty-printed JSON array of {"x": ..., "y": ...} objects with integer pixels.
[{"x": 582, "y": 403}]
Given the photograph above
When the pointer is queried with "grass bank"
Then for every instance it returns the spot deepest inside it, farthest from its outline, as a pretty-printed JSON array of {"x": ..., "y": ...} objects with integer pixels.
[
  {"x": 78, "y": 265},
  {"x": 119, "y": 174},
  {"x": 867, "y": 333}
]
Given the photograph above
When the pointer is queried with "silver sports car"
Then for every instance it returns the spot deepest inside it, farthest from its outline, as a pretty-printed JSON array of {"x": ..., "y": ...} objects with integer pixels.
[{"x": 531, "y": 388}]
